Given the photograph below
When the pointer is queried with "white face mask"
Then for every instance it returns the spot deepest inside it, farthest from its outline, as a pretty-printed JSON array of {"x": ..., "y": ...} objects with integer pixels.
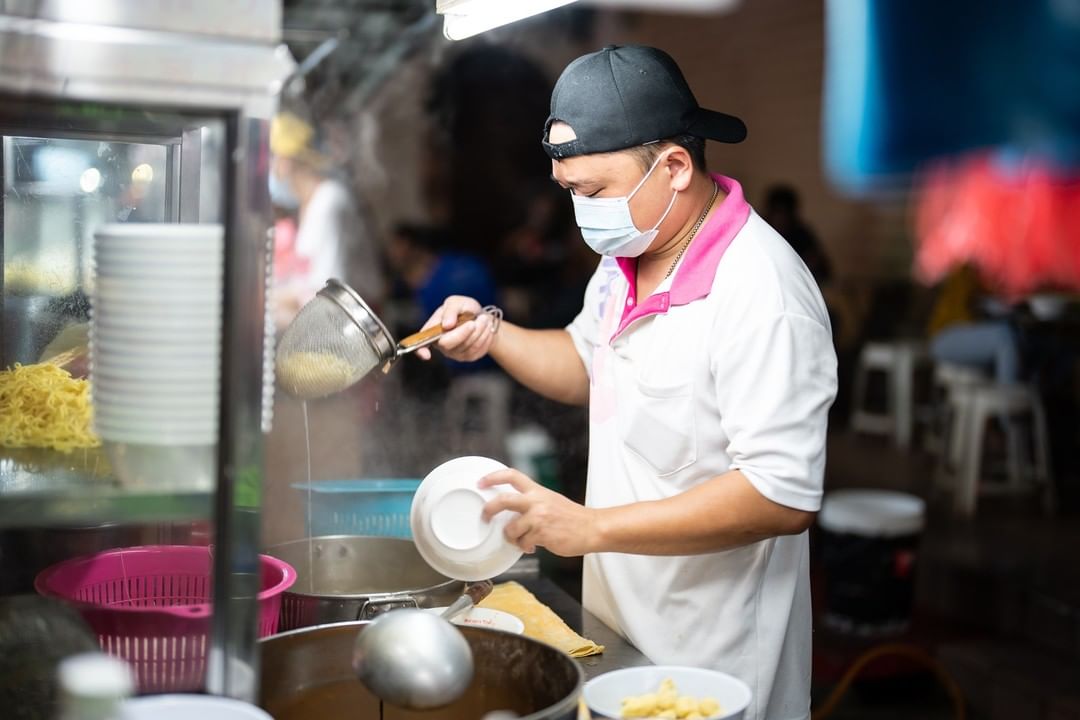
[{"x": 608, "y": 227}]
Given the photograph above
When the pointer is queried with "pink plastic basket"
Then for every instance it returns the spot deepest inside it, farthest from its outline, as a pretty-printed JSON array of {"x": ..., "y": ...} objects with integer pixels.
[{"x": 150, "y": 606}]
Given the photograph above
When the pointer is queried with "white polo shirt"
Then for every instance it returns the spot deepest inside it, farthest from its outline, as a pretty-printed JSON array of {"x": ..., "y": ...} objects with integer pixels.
[{"x": 730, "y": 365}]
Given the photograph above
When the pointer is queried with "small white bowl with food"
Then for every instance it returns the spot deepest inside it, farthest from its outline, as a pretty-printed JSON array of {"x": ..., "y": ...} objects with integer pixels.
[{"x": 667, "y": 691}]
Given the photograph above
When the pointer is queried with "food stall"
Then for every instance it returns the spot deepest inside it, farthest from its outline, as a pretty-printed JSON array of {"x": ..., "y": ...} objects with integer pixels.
[
  {"x": 129, "y": 157},
  {"x": 119, "y": 114}
]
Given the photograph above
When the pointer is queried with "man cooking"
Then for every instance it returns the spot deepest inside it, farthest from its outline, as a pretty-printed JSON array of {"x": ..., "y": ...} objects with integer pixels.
[{"x": 704, "y": 353}]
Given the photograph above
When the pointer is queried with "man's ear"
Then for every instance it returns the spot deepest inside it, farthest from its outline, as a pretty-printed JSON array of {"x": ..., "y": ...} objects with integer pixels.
[{"x": 679, "y": 167}]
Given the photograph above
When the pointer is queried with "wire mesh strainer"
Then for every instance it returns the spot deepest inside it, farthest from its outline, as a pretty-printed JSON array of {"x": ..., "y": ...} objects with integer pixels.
[{"x": 336, "y": 339}]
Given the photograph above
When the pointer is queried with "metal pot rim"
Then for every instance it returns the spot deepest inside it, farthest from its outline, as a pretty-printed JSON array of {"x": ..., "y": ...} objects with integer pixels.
[
  {"x": 313, "y": 628},
  {"x": 567, "y": 705},
  {"x": 445, "y": 585}
]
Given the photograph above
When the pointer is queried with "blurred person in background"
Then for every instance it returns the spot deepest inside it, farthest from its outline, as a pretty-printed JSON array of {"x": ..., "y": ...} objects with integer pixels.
[
  {"x": 318, "y": 235},
  {"x": 423, "y": 261},
  {"x": 970, "y": 327},
  {"x": 783, "y": 213},
  {"x": 429, "y": 270},
  {"x": 328, "y": 230}
]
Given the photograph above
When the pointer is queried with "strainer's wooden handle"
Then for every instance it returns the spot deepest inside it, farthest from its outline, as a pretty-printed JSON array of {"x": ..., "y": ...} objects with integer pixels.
[{"x": 426, "y": 337}]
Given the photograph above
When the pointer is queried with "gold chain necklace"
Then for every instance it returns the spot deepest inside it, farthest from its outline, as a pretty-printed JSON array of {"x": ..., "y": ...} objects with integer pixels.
[{"x": 694, "y": 230}]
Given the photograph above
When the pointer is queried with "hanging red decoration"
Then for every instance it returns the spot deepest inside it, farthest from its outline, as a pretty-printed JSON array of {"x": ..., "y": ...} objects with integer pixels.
[{"x": 1016, "y": 221}]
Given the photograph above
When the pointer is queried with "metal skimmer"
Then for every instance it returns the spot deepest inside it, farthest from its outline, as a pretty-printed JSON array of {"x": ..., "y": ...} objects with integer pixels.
[{"x": 336, "y": 339}]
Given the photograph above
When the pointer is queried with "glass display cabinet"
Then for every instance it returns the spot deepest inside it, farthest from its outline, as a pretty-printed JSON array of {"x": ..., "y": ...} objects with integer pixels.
[{"x": 140, "y": 113}]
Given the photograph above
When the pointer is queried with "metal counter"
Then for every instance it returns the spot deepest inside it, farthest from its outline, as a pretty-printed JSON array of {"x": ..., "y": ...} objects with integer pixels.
[{"x": 618, "y": 653}]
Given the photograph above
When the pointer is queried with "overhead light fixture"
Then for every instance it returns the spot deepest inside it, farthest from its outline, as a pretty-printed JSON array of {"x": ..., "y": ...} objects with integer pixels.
[
  {"x": 465, "y": 18},
  {"x": 90, "y": 180},
  {"x": 672, "y": 6}
]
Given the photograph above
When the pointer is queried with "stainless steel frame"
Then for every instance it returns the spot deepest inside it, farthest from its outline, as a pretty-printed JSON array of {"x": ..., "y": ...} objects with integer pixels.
[
  {"x": 218, "y": 59},
  {"x": 258, "y": 20}
]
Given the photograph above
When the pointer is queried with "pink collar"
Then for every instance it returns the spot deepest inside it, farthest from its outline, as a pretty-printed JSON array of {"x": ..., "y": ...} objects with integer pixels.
[{"x": 694, "y": 277}]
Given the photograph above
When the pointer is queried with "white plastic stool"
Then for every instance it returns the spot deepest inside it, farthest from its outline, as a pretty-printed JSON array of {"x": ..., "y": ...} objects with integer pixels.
[
  {"x": 951, "y": 383},
  {"x": 977, "y": 405},
  {"x": 478, "y": 415},
  {"x": 897, "y": 361}
]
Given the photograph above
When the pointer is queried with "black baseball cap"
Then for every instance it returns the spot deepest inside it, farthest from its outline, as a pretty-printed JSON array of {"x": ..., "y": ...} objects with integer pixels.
[{"x": 624, "y": 96}]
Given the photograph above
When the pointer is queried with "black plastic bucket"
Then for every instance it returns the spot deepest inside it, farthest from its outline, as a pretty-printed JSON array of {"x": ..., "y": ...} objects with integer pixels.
[{"x": 870, "y": 540}]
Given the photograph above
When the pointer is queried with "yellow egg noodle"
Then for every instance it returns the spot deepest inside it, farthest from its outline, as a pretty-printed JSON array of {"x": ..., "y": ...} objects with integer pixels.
[
  {"x": 313, "y": 374},
  {"x": 43, "y": 406},
  {"x": 666, "y": 702}
]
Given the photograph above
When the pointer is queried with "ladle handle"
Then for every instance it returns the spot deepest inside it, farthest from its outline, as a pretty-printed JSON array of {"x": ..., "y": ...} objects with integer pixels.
[
  {"x": 472, "y": 595},
  {"x": 461, "y": 605},
  {"x": 433, "y": 333}
]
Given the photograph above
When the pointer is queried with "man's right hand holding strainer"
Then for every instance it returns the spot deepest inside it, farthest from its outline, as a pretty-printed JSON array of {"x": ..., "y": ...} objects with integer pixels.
[{"x": 469, "y": 342}]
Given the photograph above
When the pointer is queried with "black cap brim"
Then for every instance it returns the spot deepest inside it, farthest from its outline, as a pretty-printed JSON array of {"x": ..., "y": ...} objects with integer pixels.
[{"x": 713, "y": 125}]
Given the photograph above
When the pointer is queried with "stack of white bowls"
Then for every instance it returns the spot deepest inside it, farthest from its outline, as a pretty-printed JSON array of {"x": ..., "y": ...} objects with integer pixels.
[{"x": 155, "y": 350}]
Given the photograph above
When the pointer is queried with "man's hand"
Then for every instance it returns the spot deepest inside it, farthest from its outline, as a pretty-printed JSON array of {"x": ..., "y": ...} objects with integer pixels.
[
  {"x": 547, "y": 519},
  {"x": 472, "y": 340}
]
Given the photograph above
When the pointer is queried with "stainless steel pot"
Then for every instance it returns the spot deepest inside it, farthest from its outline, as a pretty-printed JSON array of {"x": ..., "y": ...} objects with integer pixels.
[
  {"x": 353, "y": 577},
  {"x": 308, "y": 674}
]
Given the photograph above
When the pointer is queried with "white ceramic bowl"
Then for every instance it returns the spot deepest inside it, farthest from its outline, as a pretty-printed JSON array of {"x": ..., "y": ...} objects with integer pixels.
[
  {"x": 157, "y": 437},
  {"x": 142, "y": 247},
  {"x": 130, "y": 387},
  {"x": 134, "y": 364},
  {"x": 145, "y": 435},
  {"x": 144, "y": 393},
  {"x": 127, "y": 336},
  {"x": 182, "y": 407},
  {"x": 206, "y": 260},
  {"x": 107, "y": 392},
  {"x": 488, "y": 618},
  {"x": 179, "y": 406},
  {"x": 155, "y": 424},
  {"x": 166, "y": 236},
  {"x": 447, "y": 523},
  {"x": 160, "y": 232},
  {"x": 604, "y": 694},
  {"x": 195, "y": 300},
  {"x": 123, "y": 353},
  {"x": 186, "y": 707},
  {"x": 176, "y": 416},
  {"x": 153, "y": 420},
  {"x": 203, "y": 315},
  {"x": 142, "y": 390},
  {"x": 180, "y": 400},
  {"x": 139, "y": 275},
  {"x": 160, "y": 263},
  {"x": 175, "y": 286},
  {"x": 189, "y": 358},
  {"x": 162, "y": 329}
]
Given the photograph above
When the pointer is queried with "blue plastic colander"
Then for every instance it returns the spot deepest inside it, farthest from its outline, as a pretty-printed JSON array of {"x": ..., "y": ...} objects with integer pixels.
[{"x": 361, "y": 507}]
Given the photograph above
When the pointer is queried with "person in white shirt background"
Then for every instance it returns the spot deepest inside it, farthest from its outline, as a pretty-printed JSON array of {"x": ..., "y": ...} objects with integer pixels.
[
  {"x": 329, "y": 237},
  {"x": 335, "y": 437},
  {"x": 704, "y": 353}
]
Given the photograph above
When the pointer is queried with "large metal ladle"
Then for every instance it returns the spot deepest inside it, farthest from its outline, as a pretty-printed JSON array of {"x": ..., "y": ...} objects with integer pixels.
[{"x": 416, "y": 660}]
